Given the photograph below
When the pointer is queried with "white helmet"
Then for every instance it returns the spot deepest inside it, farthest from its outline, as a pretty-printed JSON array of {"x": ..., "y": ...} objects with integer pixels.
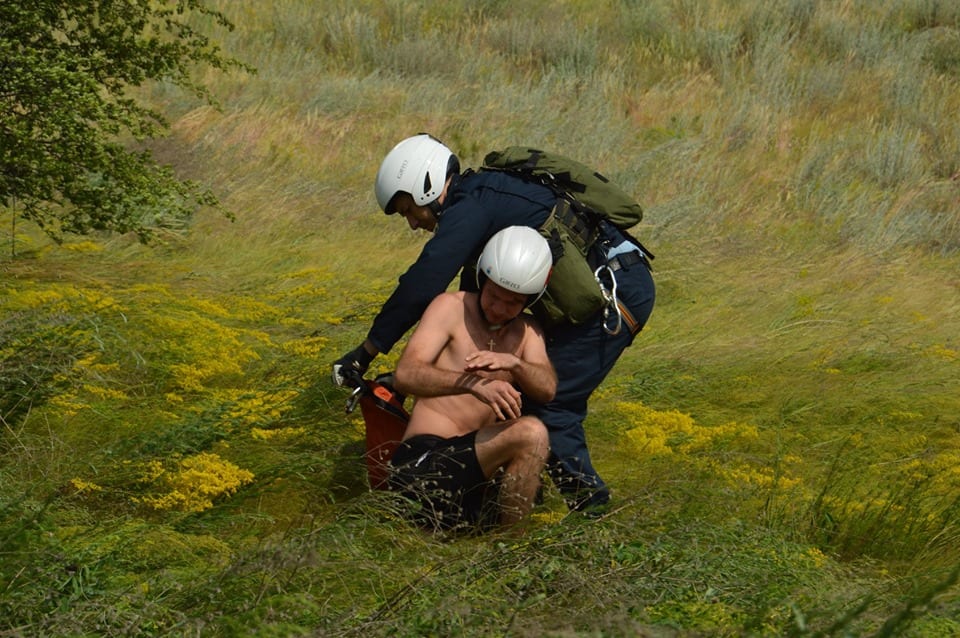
[
  {"x": 418, "y": 165},
  {"x": 517, "y": 258}
]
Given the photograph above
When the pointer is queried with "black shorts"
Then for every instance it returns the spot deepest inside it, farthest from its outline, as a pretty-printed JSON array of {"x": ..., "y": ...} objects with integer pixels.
[{"x": 445, "y": 478}]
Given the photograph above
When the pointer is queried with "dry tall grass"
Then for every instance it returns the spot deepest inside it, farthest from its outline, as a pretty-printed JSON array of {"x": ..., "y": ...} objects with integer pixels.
[{"x": 782, "y": 440}]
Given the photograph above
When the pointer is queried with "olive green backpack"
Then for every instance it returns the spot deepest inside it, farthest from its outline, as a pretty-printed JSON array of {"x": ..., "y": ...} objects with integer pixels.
[{"x": 584, "y": 198}]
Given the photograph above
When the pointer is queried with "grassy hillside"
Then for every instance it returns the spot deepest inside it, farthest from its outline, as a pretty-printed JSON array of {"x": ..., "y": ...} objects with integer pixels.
[{"x": 782, "y": 440}]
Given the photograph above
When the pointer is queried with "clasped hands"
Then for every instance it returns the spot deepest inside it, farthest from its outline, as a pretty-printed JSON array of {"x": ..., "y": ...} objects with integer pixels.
[{"x": 493, "y": 384}]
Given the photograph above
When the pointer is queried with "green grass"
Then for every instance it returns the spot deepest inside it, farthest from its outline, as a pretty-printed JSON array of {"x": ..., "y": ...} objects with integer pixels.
[{"x": 781, "y": 440}]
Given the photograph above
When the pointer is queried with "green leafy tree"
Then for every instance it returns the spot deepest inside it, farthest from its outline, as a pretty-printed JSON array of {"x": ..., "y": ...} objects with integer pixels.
[{"x": 68, "y": 121}]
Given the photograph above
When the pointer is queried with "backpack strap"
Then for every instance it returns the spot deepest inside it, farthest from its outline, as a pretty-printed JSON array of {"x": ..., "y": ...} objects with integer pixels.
[
  {"x": 552, "y": 180},
  {"x": 575, "y": 221}
]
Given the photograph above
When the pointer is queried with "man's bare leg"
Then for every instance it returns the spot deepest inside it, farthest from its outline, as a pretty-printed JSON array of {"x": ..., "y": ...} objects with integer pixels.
[{"x": 520, "y": 447}]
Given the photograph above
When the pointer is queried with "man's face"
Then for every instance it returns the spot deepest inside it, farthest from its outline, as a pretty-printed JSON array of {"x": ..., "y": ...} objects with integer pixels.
[
  {"x": 499, "y": 304},
  {"x": 416, "y": 216}
]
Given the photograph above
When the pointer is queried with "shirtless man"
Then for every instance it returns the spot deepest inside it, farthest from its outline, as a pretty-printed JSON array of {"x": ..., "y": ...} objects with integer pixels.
[{"x": 467, "y": 363}]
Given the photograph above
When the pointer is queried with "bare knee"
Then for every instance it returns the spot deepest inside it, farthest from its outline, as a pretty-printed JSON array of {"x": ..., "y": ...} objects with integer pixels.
[
  {"x": 533, "y": 436},
  {"x": 522, "y": 441}
]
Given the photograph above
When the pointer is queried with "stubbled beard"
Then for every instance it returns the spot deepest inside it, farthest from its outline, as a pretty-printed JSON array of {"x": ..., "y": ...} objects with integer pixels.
[{"x": 493, "y": 327}]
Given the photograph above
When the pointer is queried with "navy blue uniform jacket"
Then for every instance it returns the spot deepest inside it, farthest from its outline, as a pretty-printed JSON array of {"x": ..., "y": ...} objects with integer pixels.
[{"x": 476, "y": 206}]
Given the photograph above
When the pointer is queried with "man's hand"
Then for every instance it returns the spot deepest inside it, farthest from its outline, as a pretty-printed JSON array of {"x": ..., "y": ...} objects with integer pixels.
[
  {"x": 535, "y": 378},
  {"x": 491, "y": 361},
  {"x": 499, "y": 395},
  {"x": 348, "y": 370},
  {"x": 495, "y": 389}
]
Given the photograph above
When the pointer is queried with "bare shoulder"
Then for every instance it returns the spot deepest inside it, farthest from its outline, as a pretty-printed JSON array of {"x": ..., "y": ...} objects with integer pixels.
[
  {"x": 530, "y": 324},
  {"x": 446, "y": 301},
  {"x": 445, "y": 308},
  {"x": 528, "y": 331}
]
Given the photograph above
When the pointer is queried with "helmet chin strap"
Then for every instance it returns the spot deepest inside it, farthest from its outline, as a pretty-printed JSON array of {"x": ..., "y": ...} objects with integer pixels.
[{"x": 436, "y": 207}]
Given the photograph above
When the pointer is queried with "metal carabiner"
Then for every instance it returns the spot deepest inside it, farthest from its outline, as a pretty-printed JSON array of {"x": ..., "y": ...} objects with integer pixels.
[{"x": 609, "y": 301}]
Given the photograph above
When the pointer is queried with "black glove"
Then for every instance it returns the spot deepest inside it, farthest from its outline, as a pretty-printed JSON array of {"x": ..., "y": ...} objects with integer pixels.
[{"x": 348, "y": 369}]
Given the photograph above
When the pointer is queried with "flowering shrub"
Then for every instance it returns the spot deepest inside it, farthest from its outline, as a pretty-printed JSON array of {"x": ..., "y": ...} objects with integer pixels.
[
  {"x": 279, "y": 434},
  {"x": 253, "y": 407},
  {"x": 676, "y": 435},
  {"x": 192, "y": 484}
]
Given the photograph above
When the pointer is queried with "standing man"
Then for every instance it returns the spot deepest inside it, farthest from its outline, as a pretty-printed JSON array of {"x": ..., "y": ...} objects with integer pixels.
[
  {"x": 467, "y": 363},
  {"x": 420, "y": 180}
]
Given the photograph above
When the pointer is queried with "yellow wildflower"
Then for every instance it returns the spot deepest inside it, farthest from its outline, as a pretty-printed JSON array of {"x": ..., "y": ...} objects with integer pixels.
[
  {"x": 84, "y": 486},
  {"x": 280, "y": 434},
  {"x": 196, "y": 483}
]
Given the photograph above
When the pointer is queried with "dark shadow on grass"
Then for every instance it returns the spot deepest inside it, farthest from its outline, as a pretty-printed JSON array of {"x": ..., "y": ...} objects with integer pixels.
[{"x": 349, "y": 477}]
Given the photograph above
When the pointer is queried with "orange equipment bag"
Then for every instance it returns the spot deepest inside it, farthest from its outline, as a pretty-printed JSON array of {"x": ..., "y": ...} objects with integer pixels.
[{"x": 385, "y": 419}]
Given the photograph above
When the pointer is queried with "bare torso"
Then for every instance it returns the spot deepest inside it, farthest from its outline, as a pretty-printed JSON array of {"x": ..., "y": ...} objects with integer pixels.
[{"x": 457, "y": 414}]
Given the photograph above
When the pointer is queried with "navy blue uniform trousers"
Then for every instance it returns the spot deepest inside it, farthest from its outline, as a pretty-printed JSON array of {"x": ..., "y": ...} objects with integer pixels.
[{"x": 583, "y": 356}]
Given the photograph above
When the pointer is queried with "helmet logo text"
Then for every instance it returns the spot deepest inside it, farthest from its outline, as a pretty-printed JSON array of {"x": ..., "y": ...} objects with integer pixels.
[{"x": 509, "y": 284}]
